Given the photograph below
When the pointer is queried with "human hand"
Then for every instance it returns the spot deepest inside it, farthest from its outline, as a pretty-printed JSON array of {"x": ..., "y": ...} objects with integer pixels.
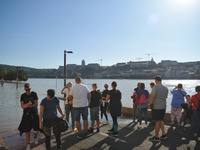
[{"x": 41, "y": 126}]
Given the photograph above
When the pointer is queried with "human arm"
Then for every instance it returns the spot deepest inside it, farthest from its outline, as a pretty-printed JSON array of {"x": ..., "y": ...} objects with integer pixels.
[
  {"x": 24, "y": 106},
  {"x": 62, "y": 91},
  {"x": 89, "y": 98},
  {"x": 151, "y": 99},
  {"x": 35, "y": 104},
  {"x": 60, "y": 110},
  {"x": 107, "y": 97},
  {"x": 40, "y": 116}
]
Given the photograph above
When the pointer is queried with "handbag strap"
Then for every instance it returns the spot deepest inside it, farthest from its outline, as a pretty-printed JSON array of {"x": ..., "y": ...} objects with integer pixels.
[
  {"x": 198, "y": 99},
  {"x": 181, "y": 93}
]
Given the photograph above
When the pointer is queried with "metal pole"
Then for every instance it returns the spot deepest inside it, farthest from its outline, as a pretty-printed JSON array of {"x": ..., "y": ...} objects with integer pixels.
[
  {"x": 17, "y": 79},
  {"x": 64, "y": 67}
]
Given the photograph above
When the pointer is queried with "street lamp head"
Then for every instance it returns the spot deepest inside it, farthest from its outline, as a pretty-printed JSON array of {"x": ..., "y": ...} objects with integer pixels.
[{"x": 68, "y": 51}]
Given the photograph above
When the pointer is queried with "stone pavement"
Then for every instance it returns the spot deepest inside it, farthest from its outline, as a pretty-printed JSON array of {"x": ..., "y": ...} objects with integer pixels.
[{"x": 130, "y": 137}]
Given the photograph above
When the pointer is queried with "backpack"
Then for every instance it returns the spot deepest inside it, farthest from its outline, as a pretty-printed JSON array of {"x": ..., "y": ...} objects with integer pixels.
[
  {"x": 198, "y": 107},
  {"x": 143, "y": 99}
]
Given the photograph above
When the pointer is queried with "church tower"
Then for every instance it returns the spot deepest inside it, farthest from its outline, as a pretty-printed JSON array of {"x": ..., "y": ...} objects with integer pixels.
[{"x": 83, "y": 62}]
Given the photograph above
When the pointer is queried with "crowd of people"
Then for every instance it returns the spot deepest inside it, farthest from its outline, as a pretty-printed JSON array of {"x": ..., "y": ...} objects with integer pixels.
[{"x": 79, "y": 100}]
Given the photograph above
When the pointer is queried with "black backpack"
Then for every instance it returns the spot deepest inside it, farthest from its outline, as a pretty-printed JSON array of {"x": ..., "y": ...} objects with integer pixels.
[{"x": 198, "y": 107}]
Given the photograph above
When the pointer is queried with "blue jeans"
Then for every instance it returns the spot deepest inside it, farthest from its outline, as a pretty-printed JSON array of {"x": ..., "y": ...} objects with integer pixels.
[
  {"x": 141, "y": 112},
  {"x": 196, "y": 117}
]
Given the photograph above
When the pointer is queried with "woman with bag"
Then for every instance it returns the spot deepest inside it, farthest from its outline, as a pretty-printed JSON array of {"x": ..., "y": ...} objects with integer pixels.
[
  {"x": 177, "y": 100},
  {"x": 143, "y": 96},
  {"x": 48, "y": 111}
]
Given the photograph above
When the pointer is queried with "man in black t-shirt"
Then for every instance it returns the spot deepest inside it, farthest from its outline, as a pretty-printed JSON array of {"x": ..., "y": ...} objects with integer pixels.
[
  {"x": 30, "y": 118},
  {"x": 94, "y": 107}
]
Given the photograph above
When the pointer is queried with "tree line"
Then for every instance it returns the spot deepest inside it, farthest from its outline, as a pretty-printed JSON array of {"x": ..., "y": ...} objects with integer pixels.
[{"x": 12, "y": 74}]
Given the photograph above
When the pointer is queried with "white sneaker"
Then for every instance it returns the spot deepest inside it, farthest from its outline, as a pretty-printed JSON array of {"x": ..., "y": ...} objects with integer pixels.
[
  {"x": 182, "y": 124},
  {"x": 28, "y": 147},
  {"x": 145, "y": 126},
  {"x": 187, "y": 125},
  {"x": 140, "y": 126},
  {"x": 36, "y": 140},
  {"x": 101, "y": 120}
]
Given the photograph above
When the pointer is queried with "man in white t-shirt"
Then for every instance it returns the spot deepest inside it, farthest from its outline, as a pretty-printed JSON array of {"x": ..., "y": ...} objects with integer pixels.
[
  {"x": 68, "y": 104},
  {"x": 80, "y": 94}
]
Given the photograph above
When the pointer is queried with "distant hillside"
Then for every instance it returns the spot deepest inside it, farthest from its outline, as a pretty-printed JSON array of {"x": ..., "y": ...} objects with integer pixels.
[{"x": 32, "y": 72}]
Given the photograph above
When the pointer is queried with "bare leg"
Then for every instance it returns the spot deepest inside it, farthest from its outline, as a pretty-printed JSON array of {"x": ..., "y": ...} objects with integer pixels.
[
  {"x": 92, "y": 123},
  {"x": 78, "y": 126},
  {"x": 28, "y": 137},
  {"x": 162, "y": 127},
  {"x": 85, "y": 125},
  {"x": 97, "y": 123},
  {"x": 157, "y": 128}
]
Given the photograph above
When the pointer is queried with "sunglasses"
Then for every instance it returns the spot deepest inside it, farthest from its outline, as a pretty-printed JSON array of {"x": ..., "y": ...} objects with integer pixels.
[{"x": 27, "y": 89}]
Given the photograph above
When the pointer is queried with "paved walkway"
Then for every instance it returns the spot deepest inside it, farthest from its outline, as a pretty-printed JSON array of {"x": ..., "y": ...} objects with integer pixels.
[{"x": 130, "y": 137}]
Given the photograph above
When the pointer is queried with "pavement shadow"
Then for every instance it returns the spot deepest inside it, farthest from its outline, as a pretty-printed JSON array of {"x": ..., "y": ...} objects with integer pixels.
[{"x": 129, "y": 137}]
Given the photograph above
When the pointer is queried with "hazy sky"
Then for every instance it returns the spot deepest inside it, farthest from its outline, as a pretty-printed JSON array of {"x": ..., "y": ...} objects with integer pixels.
[{"x": 35, "y": 33}]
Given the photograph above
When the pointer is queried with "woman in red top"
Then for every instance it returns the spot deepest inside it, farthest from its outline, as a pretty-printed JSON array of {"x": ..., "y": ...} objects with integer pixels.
[{"x": 194, "y": 101}]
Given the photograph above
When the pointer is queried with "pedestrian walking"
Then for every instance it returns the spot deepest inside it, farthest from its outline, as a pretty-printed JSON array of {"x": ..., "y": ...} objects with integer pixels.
[
  {"x": 48, "y": 112},
  {"x": 30, "y": 118}
]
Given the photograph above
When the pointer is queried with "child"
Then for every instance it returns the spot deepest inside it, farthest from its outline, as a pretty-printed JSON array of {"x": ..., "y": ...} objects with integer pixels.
[
  {"x": 186, "y": 114},
  {"x": 135, "y": 103},
  {"x": 94, "y": 107}
]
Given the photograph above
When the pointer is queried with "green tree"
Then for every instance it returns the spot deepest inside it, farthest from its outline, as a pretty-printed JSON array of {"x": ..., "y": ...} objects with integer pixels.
[
  {"x": 22, "y": 75},
  {"x": 10, "y": 75},
  {"x": 2, "y": 73}
]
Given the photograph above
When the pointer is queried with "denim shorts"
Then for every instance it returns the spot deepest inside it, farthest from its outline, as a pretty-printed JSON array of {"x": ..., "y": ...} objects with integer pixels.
[
  {"x": 80, "y": 111},
  {"x": 94, "y": 113}
]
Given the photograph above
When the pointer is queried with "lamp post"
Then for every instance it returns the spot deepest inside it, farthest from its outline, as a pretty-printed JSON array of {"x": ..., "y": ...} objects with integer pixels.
[{"x": 65, "y": 75}]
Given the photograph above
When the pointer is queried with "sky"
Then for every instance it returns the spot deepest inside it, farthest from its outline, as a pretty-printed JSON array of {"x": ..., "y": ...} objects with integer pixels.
[{"x": 35, "y": 33}]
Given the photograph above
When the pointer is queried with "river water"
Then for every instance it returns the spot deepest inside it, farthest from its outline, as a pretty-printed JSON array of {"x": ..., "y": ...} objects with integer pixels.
[{"x": 11, "y": 112}]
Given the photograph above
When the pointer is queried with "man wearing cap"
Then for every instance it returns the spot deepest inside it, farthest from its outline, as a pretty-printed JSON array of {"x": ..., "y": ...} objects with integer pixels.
[
  {"x": 68, "y": 104},
  {"x": 30, "y": 118}
]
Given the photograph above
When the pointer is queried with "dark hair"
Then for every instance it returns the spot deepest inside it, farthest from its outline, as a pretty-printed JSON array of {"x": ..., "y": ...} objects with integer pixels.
[
  {"x": 158, "y": 78},
  {"x": 180, "y": 85},
  {"x": 51, "y": 93},
  {"x": 197, "y": 88},
  {"x": 138, "y": 84},
  {"x": 94, "y": 85},
  {"x": 106, "y": 85},
  {"x": 114, "y": 84},
  {"x": 142, "y": 85}
]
